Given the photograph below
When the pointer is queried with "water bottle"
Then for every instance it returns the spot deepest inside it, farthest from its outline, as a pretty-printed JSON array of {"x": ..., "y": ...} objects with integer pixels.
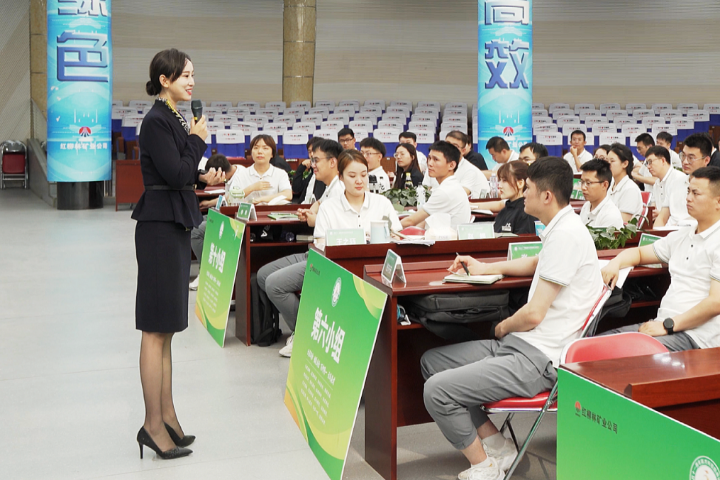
[
  {"x": 420, "y": 196},
  {"x": 494, "y": 186},
  {"x": 408, "y": 180}
]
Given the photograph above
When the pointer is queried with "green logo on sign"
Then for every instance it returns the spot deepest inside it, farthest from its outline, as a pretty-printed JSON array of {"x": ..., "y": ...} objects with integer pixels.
[
  {"x": 703, "y": 468},
  {"x": 336, "y": 291}
]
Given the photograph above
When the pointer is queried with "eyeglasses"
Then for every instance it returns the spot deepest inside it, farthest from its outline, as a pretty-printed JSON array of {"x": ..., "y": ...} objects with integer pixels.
[
  {"x": 585, "y": 183},
  {"x": 315, "y": 160},
  {"x": 366, "y": 153}
]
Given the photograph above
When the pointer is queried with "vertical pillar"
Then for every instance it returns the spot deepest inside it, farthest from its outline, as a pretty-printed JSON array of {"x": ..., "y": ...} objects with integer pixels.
[
  {"x": 38, "y": 60},
  {"x": 299, "y": 19}
]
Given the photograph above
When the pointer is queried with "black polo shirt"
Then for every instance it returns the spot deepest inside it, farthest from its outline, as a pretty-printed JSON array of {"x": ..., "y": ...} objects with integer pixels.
[
  {"x": 476, "y": 159},
  {"x": 513, "y": 219}
]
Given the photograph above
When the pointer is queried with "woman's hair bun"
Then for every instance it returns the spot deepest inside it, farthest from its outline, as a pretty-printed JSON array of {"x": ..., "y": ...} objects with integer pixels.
[{"x": 150, "y": 89}]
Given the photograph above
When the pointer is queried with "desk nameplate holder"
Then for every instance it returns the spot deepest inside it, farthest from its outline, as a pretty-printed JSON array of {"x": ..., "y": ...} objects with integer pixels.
[
  {"x": 246, "y": 212},
  {"x": 392, "y": 268}
]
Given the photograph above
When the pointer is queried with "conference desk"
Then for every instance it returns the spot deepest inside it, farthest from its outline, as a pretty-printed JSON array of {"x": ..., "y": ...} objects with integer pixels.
[{"x": 394, "y": 386}]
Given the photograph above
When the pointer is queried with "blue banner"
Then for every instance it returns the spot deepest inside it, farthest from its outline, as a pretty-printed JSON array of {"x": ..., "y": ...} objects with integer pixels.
[
  {"x": 79, "y": 107},
  {"x": 504, "y": 73}
]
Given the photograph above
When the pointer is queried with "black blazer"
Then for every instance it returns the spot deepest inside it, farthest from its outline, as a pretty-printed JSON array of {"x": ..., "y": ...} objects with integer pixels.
[
  {"x": 168, "y": 156},
  {"x": 415, "y": 174}
]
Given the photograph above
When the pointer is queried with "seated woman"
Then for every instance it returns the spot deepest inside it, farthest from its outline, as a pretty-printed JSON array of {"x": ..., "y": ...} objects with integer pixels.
[
  {"x": 262, "y": 182},
  {"x": 356, "y": 208},
  {"x": 624, "y": 192},
  {"x": 601, "y": 152},
  {"x": 513, "y": 183},
  {"x": 408, "y": 167}
]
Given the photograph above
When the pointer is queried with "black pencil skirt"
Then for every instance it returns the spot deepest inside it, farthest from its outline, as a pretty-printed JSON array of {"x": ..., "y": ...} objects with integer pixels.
[{"x": 162, "y": 250}]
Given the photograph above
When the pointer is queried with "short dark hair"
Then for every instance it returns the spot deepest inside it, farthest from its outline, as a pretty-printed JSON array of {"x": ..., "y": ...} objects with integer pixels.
[
  {"x": 605, "y": 147},
  {"x": 538, "y": 149},
  {"x": 449, "y": 151},
  {"x": 370, "y": 142},
  {"x": 698, "y": 140},
  {"x": 578, "y": 132},
  {"x": 625, "y": 155},
  {"x": 314, "y": 142},
  {"x": 645, "y": 139},
  {"x": 601, "y": 169},
  {"x": 269, "y": 141},
  {"x": 665, "y": 137},
  {"x": 555, "y": 175},
  {"x": 712, "y": 140},
  {"x": 218, "y": 161},
  {"x": 346, "y": 131},
  {"x": 458, "y": 135},
  {"x": 409, "y": 135},
  {"x": 498, "y": 144},
  {"x": 659, "y": 152},
  {"x": 331, "y": 148},
  {"x": 170, "y": 63},
  {"x": 713, "y": 176}
]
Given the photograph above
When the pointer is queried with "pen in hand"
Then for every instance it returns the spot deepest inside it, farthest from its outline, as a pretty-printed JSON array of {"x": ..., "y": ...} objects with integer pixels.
[{"x": 463, "y": 265}]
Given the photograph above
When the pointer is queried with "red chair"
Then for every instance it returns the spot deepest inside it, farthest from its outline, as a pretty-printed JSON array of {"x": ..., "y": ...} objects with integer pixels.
[
  {"x": 541, "y": 403},
  {"x": 621, "y": 345},
  {"x": 643, "y": 217},
  {"x": 14, "y": 168},
  {"x": 646, "y": 197}
]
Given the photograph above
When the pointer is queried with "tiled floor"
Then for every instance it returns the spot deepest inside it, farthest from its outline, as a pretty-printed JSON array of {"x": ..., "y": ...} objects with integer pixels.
[{"x": 70, "y": 392}]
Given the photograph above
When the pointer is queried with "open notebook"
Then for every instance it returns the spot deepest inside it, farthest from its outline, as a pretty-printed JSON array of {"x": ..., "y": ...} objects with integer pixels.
[{"x": 473, "y": 279}]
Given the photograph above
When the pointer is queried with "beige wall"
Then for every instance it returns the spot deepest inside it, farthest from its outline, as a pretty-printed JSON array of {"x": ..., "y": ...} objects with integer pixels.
[
  {"x": 585, "y": 50},
  {"x": 236, "y": 46},
  {"x": 15, "y": 70}
]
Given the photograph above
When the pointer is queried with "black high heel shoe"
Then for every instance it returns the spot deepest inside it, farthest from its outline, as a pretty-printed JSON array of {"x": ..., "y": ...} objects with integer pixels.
[
  {"x": 185, "y": 441},
  {"x": 143, "y": 438}
]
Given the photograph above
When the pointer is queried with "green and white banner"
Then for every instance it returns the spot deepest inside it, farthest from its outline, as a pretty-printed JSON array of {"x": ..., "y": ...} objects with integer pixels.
[
  {"x": 602, "y": 435},
  {"x": 221, "y": 251},
  {"x": 337, "y": 325}
]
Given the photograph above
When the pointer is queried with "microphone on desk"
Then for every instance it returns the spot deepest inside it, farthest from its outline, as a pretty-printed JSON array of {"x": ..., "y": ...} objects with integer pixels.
[{"x": 196, "y": 107}]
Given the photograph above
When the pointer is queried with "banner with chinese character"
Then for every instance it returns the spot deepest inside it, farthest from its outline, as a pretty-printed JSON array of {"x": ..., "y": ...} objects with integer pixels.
[
  {"x": 337, "y": 325},
  {"x": 221, "y": 251},
  {"x": 602, "y": 434},
  {"x": 79, "y": 83},
  {"x": 504, "y": 73}
]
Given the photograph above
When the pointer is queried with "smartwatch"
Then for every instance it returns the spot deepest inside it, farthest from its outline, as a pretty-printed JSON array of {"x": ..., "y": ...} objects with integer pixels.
[{"x": 669, "y": 325}]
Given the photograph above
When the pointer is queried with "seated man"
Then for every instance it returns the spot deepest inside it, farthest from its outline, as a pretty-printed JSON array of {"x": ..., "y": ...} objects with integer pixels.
[
  {"x": 500, "y": 152},
  {"x": 374, "y": 151},
  {"x": 533, "y": 151},
  {"x": 669, "y": 191},
  {"x": 664, "y": 139},
  {"x": 715, "y": 156},
  {"x": 577, "y": 155},
  {"x": 599, "y": 209},
  {"x": 411, "y": 138},
  {"x": 523, "y": 360},
  {"x": 304, "y": 186},
  {"x": 281, "y": 279},
  {"x": 641, "y": 173},
  {"x": 346, "y": 138},
  {"x": 449, "y": 196},
  {"x": 697, "y": 152},
  {"x": 471, "y": 179},
  {"x": 689, "y": 313}
]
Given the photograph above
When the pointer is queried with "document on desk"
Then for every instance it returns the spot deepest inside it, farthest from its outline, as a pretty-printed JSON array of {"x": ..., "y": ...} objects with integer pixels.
[
  {"x": 472, "y": 279},
  {"x": 282, "y": 216},
  {"x": 484, "y": 212},
  {"x": 623, "y": 273},
  {"x": 413, "y": 241},
  {"x": 215, "y": 191}
]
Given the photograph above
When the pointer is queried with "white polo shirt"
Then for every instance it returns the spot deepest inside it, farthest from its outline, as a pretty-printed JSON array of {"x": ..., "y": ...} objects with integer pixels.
[
  {"x": 422, "y": 160},
  {"x": 568, "y": 258},
  {"x": 606, "y": 214},
  {"x": 335, "y": 189},
  {"x": 694, "y": 262},
  {"x": 626, "y": 196},
  {"x": 383, "y": 181},
  {"x": 671, "y": 192},
  {"x": 235, "y": 179},
  {"x": 449, "y": 197},
  {"x": 468, "y": 175},
  {"x": 675, "y": 159},
  {"x": 513, "y": 156},
  {"x": 585, "y": 156},
  {"x": 337, "y": 213},
  {"x": 277, "y": 178}
]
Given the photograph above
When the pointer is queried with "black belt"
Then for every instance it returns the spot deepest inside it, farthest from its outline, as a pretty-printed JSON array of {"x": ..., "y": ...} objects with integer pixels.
[{"x": 168, "y": 187}]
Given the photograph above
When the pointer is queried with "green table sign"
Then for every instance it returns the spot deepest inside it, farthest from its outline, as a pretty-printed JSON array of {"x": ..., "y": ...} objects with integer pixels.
[
  {"x": 246, "y": 212},
  {"x": 476, "y": 231},
  {"x": 345, "y": 236},
  {"x": 523, "y": 250},
  {"x": 392, "y": 267},
  {"x": 647, "y": 239},
  {"x": 577, "y": 190},
  {"x": 221, "y": 252},
  {"x": 602, "y": 435},
  {"x": 338, "y": 322}
]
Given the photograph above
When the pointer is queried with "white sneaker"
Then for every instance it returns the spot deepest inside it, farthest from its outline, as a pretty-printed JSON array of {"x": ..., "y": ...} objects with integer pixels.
[
  {"x": 505, "y": 456},
  {"x": 286, "y": 351},
  {"x": 488, "y": 470},
  {"x": 194, "y": 284}
]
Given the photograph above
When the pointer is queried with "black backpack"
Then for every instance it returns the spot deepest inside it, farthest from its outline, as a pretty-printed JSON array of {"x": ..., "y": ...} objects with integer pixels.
[
  {"x": 447, "y": 315},
  {"x": 265, "y": 327}
]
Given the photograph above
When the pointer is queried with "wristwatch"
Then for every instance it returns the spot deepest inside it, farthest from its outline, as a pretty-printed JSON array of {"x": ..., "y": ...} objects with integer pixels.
[{"x": 669, "y": 325}]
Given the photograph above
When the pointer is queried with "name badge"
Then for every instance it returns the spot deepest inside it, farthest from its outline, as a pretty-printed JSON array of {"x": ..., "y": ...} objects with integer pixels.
[
  {"x": 524, "y": 250},
  {"x": 345, "y": 236},
  {"x": 475, "y": 231},
  {"x": 246, "y": 212},
  {"x": 392, "y": 268}
]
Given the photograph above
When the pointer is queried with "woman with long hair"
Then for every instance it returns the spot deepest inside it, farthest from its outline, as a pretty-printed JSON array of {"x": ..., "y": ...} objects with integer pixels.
[
  {"x": 624, "y": 192},
  {"x": 408, "y": 167},
  {"x": 512, "y": 218}
]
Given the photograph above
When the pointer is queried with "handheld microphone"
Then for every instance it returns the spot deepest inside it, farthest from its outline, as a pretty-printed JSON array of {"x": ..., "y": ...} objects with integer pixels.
[{"x": 196, "y": 107}]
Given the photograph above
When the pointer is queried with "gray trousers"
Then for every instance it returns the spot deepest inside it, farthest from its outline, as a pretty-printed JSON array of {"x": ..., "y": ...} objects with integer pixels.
[
  {"x": 197, "y": 238},
  {"x": 676, "y": 342},
  {"x": 281, "y": 280},
  {"x": 460, "y": 378}
]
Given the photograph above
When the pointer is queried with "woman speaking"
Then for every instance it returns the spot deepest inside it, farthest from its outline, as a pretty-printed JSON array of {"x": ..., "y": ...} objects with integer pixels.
[{"x": 170, "y": 151}]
